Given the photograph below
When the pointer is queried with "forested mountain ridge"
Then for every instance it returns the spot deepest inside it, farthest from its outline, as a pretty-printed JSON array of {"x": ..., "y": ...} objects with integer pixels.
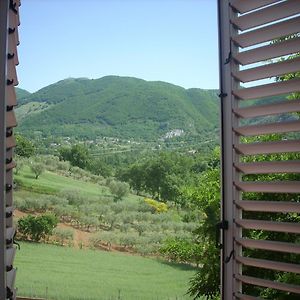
[{"x": 117, "y": 107}]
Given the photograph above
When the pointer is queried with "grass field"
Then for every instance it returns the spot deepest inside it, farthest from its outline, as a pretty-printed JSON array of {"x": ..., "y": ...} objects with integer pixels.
[
  {"x": 69, "y": 274},
  {"x": 51, "y": 183}
]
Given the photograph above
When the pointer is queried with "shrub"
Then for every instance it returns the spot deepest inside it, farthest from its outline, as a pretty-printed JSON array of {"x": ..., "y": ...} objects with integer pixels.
[
  {"x": 63, "y": 166},
  {"x": 128, "y": 240},
  {"x": 156, "y": 206},
  {"x": 37, "y": 227},
  {"x": 119, "y": 189},
  {"x": 141, "y": 227},
  {"x": 33, "y": 204},
  {"x": 37, "y": 168},
  {"x": 63, "y": 235},
  {"x": 104, "y": 237},
  {"x": 73, "y": 196}
]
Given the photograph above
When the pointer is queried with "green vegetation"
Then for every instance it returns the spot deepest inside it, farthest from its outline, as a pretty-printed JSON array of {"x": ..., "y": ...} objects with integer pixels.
[
  {"x": 89, "y": 204},
  {"x": 21, "y": 94},
  {"x": 63, "y": 273},
  {"x": 37, "y": 227},
  {"x": 25, "y": 147},
  {"x": 121, "y": 107}
]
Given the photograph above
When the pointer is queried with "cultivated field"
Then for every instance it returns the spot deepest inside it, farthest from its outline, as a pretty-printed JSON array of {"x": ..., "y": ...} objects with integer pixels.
[{"x": 72, "y": 274}]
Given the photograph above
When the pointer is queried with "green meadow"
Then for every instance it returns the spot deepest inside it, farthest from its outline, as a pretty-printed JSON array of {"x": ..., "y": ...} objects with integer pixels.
[{"x": 55, "y": 272}]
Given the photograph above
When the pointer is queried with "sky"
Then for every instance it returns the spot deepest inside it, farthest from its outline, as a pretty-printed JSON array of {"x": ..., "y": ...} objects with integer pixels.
[{"x": 168, "y": 40}]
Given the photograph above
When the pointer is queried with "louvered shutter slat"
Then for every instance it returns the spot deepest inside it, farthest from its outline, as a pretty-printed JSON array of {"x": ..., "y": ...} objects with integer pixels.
[
  {"x": 269, "y": 109},
  {"x": 267, "y": 33},
  {"x": 268, "y": 14},
  {"x": 11, "y": 252},
  {"x": 11, "y": 277},
  {"x": 268, "y": 52},
  {"x": 269, "y": 167},
  {"x": 11, "y": 120},
  {"x": 10, "y": 166},
  {"x": 266, "y": 90},
  {"x": 269, "y": 206},
  {"x": 267, "y": 71},
  {"x": 243, "y": 6},
  {"x": 269, "y": 187},
  {"x": 253, "y": 130},
  {"x": 268, "y": 225},
  {"x": 268, "y": 147},
  {"x": 10, "y": 142},
  {"x": 268, "y": 264},
  {"x": 11, "y": 99},
  {"x": 269, "y": 245},
  {"x": 269, "y": 284}
]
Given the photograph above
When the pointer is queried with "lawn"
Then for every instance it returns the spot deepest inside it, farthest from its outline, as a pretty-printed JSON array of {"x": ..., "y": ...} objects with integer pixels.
[{"x": 73, "y": 274}]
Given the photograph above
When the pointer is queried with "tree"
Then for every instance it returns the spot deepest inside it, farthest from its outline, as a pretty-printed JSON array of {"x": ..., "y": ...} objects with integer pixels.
[
  {"x": 37, "y": 227},
  {"x": 20, "y": 164},
  {"x": 99, "y": 167},
  {"x": 77, "y": 155},
  {"x": 135, "y": 176},
  {"x": 119, "y": 189},
  {"x": 37, "y": 169},
  {"x": 205, "y": 196},
  {"x": 25, "y": 147}
]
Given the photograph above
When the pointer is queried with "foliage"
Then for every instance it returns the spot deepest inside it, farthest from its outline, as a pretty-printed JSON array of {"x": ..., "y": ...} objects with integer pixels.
[
  {"x": 181, "y": 250},
  {"x": 206, "y": 197},
  {"x": 20, "y": 162},
  {"x": 119, "y": 189},
  {"x": 37, "y": 227},
  {"x": 63, "y": 235},
  {"x": 37, "y": 168},
  {"x": 158, "y": 207},
  {"x": 162, "y": 175},
  {"x": 25, "y": 147},
  {"x": 77, "y": 155},
  {"x": 122, "y": 107}
]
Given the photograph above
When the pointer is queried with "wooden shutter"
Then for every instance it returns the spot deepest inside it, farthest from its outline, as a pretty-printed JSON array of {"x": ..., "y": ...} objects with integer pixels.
[
  {"x": 9, "y": 39},
  {"x": 259, "y": 41}
]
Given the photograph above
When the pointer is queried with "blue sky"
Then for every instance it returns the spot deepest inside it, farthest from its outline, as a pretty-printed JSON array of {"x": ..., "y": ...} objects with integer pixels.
[{"x": 168, "y": 40}]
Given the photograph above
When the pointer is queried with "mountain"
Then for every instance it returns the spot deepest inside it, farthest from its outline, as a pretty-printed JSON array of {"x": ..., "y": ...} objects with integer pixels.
[
  {"x": 115, "y": 106},
  {"x": 22, "y": 94}
]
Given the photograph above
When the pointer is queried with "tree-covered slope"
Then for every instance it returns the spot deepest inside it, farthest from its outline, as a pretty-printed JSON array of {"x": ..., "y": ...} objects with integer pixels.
[
  {"x": 120, "y": 107},
  {"x": 22, "y": 95}
]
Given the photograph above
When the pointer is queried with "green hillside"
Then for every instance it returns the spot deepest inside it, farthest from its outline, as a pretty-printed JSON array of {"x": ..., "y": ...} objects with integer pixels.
[
  {"x": 118, "y": 107},
  {"x": 22, "y": 95}
]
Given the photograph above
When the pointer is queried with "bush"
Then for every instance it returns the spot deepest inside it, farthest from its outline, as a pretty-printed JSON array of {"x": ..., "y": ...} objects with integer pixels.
[
  {"x": 33, "y": 204},
  {"x": 104, "y": 237},
  {"x": 63, "y": 235},
  {"x": 156, "y": 206},
  {"x": 119, "y": 189},
  {"x": 63, "y": 166},
  {"x": 37, "y": 227},
  {"x": 128, "y": 239},
  {"x": 73, "y": 196},
  {"x": 37, "y": 168}
]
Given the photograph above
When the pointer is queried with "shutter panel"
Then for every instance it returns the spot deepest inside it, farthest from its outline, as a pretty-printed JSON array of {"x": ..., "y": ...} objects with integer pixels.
[
  {"x": 9, "y": 40},
  {"x": 259, "y": 193}
]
